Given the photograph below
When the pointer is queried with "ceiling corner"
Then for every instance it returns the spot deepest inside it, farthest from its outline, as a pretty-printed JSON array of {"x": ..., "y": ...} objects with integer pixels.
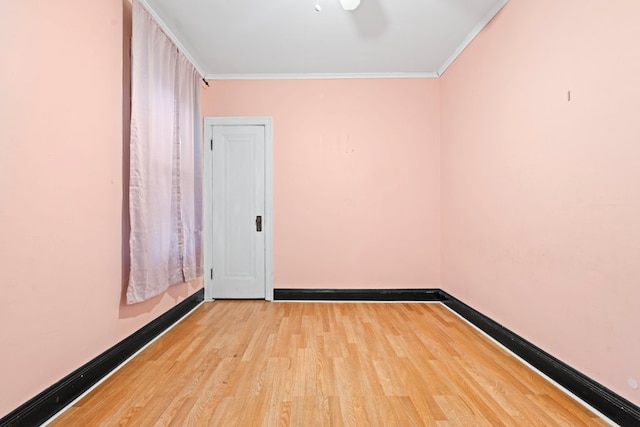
[{"x": 471, "y": 36}]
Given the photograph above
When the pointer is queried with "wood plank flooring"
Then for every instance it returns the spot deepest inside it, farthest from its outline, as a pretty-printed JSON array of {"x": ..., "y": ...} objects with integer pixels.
[{"x": 255, "y": 363}]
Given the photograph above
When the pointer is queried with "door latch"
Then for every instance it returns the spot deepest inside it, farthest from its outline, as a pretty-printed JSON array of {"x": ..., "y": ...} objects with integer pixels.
[{"x": 259, "y": 223}]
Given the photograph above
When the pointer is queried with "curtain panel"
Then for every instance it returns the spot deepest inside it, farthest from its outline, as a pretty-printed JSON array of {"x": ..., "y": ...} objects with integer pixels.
[{"x": 165, "y": 187}]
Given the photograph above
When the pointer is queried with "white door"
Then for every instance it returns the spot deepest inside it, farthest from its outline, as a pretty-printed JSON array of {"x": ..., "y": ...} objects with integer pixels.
[{"x": 238, "y": 208}]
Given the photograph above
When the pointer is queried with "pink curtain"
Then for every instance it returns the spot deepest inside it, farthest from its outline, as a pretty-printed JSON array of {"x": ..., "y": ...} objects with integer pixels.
[{"x": 165, "y": 187}]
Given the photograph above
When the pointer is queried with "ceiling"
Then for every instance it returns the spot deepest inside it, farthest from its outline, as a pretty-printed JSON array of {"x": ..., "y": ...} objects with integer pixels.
[{"x": 290, "y": 39}]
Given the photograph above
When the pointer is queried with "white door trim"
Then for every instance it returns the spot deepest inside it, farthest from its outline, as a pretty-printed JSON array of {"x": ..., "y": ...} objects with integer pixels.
[{"x": 267, "y": 122}]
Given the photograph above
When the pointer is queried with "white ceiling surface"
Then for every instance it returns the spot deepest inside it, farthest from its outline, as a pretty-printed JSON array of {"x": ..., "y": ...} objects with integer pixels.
[{"x": 289, "y": 38}]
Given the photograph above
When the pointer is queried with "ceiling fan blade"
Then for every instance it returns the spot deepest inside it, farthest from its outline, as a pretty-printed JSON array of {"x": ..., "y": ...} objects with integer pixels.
[{"x": 349, "y": 4}]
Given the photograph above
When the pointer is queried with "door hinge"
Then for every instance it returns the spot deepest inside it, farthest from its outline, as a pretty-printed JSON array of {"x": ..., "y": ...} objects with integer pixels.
[
  {"x": 212, "y": 274},
  {"x": 211, "y": 144}
]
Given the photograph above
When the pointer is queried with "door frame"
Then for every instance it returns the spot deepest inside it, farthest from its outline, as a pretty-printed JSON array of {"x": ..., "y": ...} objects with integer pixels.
[{"x": 267, "y": 123}]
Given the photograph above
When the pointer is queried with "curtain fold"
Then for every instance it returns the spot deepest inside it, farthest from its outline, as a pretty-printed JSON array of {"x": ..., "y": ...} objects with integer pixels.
[{"x": 165, "y": 187}]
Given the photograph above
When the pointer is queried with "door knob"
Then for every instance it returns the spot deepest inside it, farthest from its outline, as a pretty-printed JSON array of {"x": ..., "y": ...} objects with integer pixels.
[{"x": 259, "y": 223}]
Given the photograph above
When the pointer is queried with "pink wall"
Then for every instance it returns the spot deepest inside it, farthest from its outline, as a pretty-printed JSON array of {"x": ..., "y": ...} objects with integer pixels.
[
  {"x": 541, "y": 196},
  {"x": 356, "y": 178},
  {"x": 61, "y": 193}
]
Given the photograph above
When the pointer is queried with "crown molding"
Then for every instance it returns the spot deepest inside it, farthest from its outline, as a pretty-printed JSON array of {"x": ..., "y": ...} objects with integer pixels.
[
  {"x": 321, "y": 76},
  {"x": 327, "y": 76},
  {"x": 472, "y": 35}
]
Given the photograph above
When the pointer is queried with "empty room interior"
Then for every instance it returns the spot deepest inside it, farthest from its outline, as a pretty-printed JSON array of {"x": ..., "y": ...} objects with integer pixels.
[{"x": 447, "y": 228}]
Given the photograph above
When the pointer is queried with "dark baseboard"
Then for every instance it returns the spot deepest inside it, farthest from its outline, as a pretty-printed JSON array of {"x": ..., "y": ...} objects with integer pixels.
[
  {"x": 357, "y": 295},
  {"x": 46, "y": 404},
  {"x": 609, "y": 403},
  {"x": 52, "y": 400}
]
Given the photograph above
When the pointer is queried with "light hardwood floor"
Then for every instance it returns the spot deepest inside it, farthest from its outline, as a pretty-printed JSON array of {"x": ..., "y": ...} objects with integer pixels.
[{"x": 255, "y": 363}]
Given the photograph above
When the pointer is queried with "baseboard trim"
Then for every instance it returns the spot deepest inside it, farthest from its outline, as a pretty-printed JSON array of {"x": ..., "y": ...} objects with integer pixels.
[
  {"x": 607, "y": 402},
  {"x": 46, "y": 404},
  {"x": 357, "y": 295}
]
